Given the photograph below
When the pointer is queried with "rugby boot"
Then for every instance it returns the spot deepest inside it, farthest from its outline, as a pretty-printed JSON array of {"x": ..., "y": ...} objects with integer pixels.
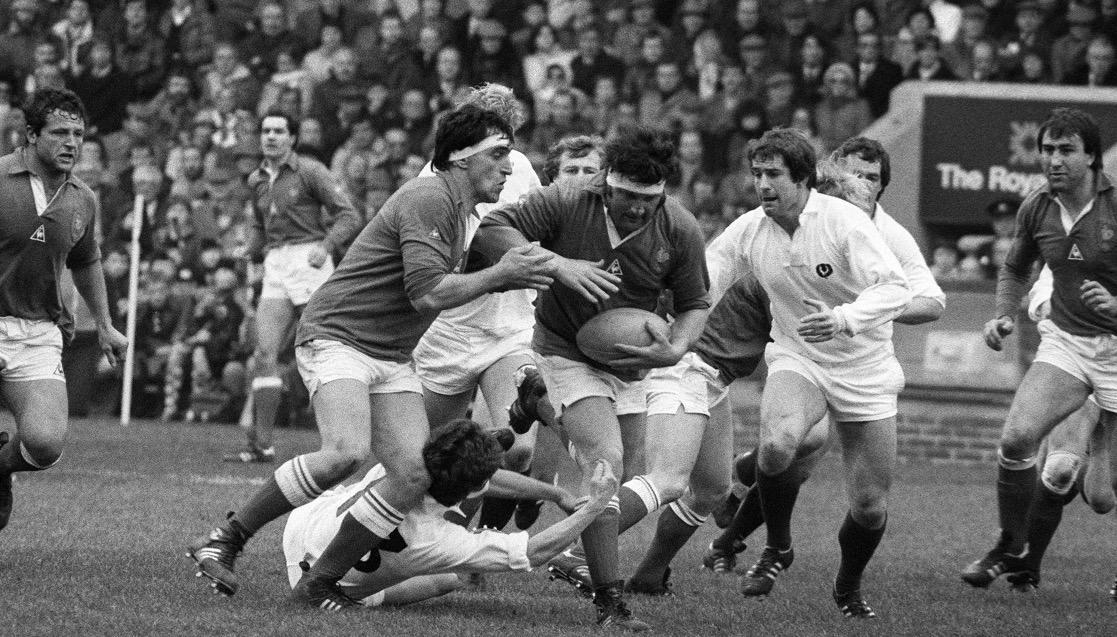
[
  {"x": 215, "y": 555},
  {"x": 6, "y": 497},
  {"x": 251, "y": 454},
  {"x": 983, "y": 572},
  {"x": 316, "y": 593},
  {"x": 723, "y": 517},
  {"x": 759, "y": 580},
  {"x": 722, "y": 562},
  {"x": 853, "y": 606},
  {"x": 662, "y": 588},
  {"x": 611, "y": 609},
  {"x": 529, "y": 388},
  {"x": 572, "y": 569}
]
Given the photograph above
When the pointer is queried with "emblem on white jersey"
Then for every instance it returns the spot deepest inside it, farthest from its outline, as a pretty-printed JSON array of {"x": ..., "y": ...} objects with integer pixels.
[
  {"x": 824, "y": 269},
  {"x": 1075, "y": 253},
  {"x": 58, "y": 371},
  {"x": 40, "y": 235},
  {"x": 435, "y": 234},
  {"x": 615, "y": 268}
]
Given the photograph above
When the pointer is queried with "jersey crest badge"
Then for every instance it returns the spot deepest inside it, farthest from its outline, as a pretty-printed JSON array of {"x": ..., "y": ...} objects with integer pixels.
[
  {"x": 615, "y": 268},
  {"x": 435, "y": 234},
  {"x": 1075, "y": 253},
  {"x": 1107, "y": 233},
  {"x": 824, "y": 269},
  {"x": 39, "y": 235}
]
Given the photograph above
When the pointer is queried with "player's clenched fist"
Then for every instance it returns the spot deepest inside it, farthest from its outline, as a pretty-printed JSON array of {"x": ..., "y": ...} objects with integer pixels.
[{"x": 997, "y": 329}]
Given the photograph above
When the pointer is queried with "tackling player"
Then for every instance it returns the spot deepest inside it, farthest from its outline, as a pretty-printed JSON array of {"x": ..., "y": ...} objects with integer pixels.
[
  {"x": 643, "y": 243},
  {"x": 1070, "y": 224},
  {"x": 426, "y": 555},
  {"x": 48, "y": 224},
  {"x": 354, "y": 349},
  {"x": 301, "y": 215}
]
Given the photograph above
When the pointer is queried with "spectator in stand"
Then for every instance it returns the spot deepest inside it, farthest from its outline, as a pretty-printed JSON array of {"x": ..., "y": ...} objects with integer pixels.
[
  {"x": 694, "y": 166},
  {"x": 173, "y": 109},
  {"x": 103, "y": 89},
  {"x": 737, "y": 191},
  {"x": 285, "y": 88},
  {"x": 315, "y": 16},
  {"x": 493, "y": 58},
  {"x": 1028, "y": 34},
  {"x": 814, "y": 57},
  {"x": 273, "y": 37},
  {"x": 795, "y": 20},
  {"x": 958, "y": 53},
  {"x": 74, "y": 33},
  {"x": 186, "y": 178},
  {"x": 1032, "y": 70},
  {"x": 718, "y": 112},
  {"x": 803, "y": 120},
  {"x": 415, "y": 119},
  {"x": 705, "y": 51},
  {"x": 393, "y": 62},
  {"x": 753, "y": 49},
  {"x": 312, "y": 140},
  {"x": 668, "y": 102},
  {"x": 691, "y": 21},
  {"x": 227, "y": 71},
  {"x": 876, "y": 75},
  {"x": 318, "y": 62},
  {"x": 863, "y": 18},
  {"x": 449, "y": 84},
  {"x": 425, "y": 53},
  {"x": 18, "y": 42},
  {"x": 780, "y": 99},
  {"x": 948, "y": 18},
  {"x": 983, "y": 65},
  {"x": 750, "y": 123},
  {"x": 46, "y": 66},
  {"x": 841, "y": 114},
  {"x": 1099, "y": 68},
  {"x": 592, "y": 62},
  {"x": 189, "y": 31},
  {"x": 141, "y": 53},
  {"x": 563, "y": 119},
  {"x": 1069, "y": 51},
  {"x": 628, "y": 39},
  {"x": 363, "y": 143},
  {"x": 604, "y": 104},
  {"x": 929, "y": 64},
  {"x": 1107, "y": 13},
  {"x": 746, "y": 19},
  {"x": 225, "y": 199},
  {"x": 640, "y": 75},
  {"x": 1002, "y": 17},
  {"x": 161, "y": 321},
  {"x": 326, "y": 96}
]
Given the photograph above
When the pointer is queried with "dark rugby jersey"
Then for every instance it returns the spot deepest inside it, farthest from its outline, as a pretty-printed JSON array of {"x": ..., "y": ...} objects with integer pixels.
[
  {"x": 667, "y": 253},
  {"x": 289, "y": 210},
  {"x": 401, "y": 255},
  {"x": 34, "y": 248},
  {"x": 737, "y": 330},
  {"x": 1088, "y": 252}
]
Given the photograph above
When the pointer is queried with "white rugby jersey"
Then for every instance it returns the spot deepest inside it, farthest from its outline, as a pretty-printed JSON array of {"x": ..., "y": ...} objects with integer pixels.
[
  {"x": 903, "y": 245},
  {"x": 427, "y": 543},
  {"x": 836, "y": 256},
  {"x": 500, "y": 313}
]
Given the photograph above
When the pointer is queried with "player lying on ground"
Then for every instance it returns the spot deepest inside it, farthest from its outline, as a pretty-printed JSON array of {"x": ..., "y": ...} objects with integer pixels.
[{"x": 424, "y": 556}]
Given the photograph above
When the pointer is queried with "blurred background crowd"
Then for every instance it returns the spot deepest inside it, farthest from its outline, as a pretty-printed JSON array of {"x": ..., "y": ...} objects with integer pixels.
[{"x": 174, "y": 90}]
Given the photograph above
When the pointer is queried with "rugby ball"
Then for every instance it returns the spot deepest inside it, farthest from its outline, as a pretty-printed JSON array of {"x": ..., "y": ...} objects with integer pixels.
[{"x": 599, "y": 337}]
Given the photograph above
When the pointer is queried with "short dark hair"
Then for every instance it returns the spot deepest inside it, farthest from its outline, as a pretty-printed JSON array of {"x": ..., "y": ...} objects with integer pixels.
[
  {"x": 292, "y": 122},
  {"x": 460, "y": 456},
  {"x": 575, "y": 146},
  {"x": 462, "y": 128},
  {"x": 47, "y": 100},
  {"x": 868, "y": 150},
  {"x": 1064, "y": 122},
  {"x": 643, "y": 154},
  {"x": 792, "y": 146}
]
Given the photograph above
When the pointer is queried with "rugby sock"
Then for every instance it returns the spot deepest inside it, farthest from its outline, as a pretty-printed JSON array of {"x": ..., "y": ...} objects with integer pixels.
[
  {"x": 749, "y": 517},
  {"x": 1016, "y": 480},
  {"x": 600, "y": 543},
  {"x": 368, "y": 523},
  {"x": 496, "y": 512},
  {"x": 777, "y": 500},
  {"x": 675, "y": 527},
  {"x": 267, "y": 393},
  {"x": 15, "y": 456},
  {"x": 1043, "y": 520},
  {"x": 858, "y": 544},
  {"x": 290, "y": 486},
  {"x": 638, "y": 498}
]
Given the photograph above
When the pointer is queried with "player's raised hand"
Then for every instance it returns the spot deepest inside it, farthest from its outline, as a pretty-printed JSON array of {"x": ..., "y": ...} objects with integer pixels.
[
  {"x": 821, "y": 325},
  {"x": 526, "y": 267},
  {"x": 660, "y": 353},
  {"x": 996, "y": 330},
  {"x": 603, "y": 485},
  {"x": 587, "y": 278},
  {"x": 1098, "y": 299}
]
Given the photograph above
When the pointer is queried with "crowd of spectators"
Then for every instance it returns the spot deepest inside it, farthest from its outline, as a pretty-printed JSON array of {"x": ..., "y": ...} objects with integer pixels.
[{"x": 174, "y": 90}]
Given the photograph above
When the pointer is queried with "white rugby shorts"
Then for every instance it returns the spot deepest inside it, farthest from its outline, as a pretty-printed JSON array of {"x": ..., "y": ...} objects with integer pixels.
[
  {"x": 287, "y": 275},
  {"x": 30, "y": 350},
  {"x": 450, "y": 361},
  {"x": 569, "y": 381},
  {"x": 321, "y": 361},
  {"x": 854, "y": 392},
  {"x": 691, "y": 384},
  {"x": 1090, "y": 359}
]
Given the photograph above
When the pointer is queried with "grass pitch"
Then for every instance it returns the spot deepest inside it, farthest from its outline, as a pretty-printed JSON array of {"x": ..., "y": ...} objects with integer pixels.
[{"x": 96, "y": 547}]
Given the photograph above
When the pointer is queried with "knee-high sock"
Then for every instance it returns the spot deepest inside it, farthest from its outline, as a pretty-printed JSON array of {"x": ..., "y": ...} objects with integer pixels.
[
  {"x": 1043, "y": 519},
  {"x": 745, "y": 467},
  {"x": 675, "y": 527},
  {"x": 1014, "y": 496},
  {"x": 858, "y": 544},
  {"x": 368, "y": 523},
  {"x": 777, "y": 500},
  {"x": 14, "y": 456},
  {"x": 749, "y": 517},
  {"x": 600, "y": 543},
  {"x": 290, "y": 486},
  {"x": 638, "y": 498},
  {"x": 267, "y": 393}
]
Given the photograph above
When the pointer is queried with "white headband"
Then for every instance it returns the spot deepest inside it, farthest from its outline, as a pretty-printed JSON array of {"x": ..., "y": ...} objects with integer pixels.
[
  {"x": 620, "y": 181},
  {"x": 496, "y": 139}
]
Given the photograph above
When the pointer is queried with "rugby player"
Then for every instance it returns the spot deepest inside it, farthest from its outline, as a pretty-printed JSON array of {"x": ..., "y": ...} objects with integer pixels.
[
  {"x": 354, "y": 346},
  {"x": 1069, "y": 224},
  {"x": 48, "y": 224}
]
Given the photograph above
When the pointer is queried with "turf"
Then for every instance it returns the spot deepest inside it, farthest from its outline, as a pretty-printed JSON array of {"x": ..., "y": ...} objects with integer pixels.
[{"x": 95, "y": 547}]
